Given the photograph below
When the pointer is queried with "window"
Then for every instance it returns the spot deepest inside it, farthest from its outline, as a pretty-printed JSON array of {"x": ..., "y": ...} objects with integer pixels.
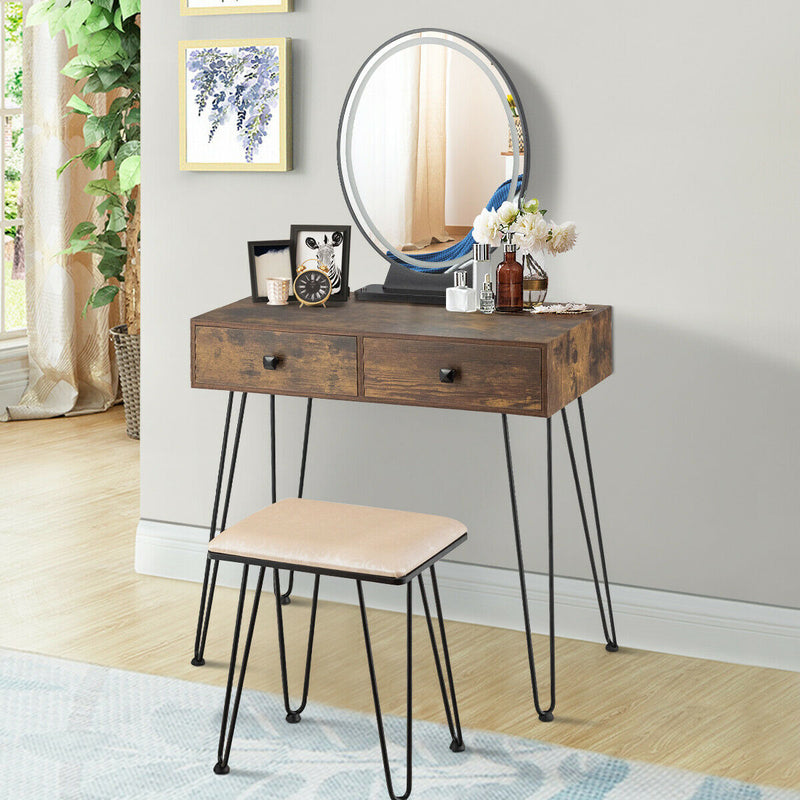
[{"x": 12, "y": 286}]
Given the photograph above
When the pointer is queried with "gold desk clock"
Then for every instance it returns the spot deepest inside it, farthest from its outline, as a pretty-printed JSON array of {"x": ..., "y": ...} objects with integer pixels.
[{"x": 312, "y": 286}]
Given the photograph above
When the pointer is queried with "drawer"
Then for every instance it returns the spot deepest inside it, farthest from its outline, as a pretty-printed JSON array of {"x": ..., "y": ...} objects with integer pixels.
[
  {"x": 486, "y": 377},
  {"x": 307, "y": 364}
]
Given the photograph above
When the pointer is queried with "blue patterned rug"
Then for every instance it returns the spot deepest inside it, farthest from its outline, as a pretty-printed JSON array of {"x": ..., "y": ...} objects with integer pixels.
[{"x": 72, "y": 730}]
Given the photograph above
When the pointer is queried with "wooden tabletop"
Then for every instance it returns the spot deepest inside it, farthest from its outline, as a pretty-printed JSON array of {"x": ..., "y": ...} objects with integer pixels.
[{"x": 358, "y": 318}]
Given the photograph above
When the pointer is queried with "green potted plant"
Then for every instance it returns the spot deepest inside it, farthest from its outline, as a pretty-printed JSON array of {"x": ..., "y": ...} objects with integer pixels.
[{"x": 105, "y": 36}]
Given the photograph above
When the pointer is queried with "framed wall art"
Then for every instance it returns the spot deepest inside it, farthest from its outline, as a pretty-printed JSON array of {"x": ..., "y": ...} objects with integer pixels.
[
  {"x": 191, "y": 7},
  {"x": 235, "y": 105},
  {"x": 268, "y": 259},
  {"x": 326, "y": 248}
]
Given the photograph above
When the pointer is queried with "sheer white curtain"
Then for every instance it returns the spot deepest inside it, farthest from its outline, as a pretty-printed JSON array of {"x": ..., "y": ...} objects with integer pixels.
[
  {"x": 71, "y": 367},
  {"x": 399, "y": 146}
]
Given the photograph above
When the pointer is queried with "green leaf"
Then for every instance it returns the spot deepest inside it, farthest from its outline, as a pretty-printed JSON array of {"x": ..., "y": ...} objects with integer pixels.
[
  {"x": 111, "y": 239},
  {"x": 130, "y": 173},
  {"x": 93, "y": 130},
  {"x": 64, "y": 166},
  {"x": 80, "y": 105},
  {"x": 102, "y": 186},
  {"x": 78, "y": 68},
  {"x": 116, "y": 221},
  {"x": 82, "y": 229},
  {"x": 98, "y": 20},
  {"x": 103, "y": 45},
  {"x": 128, "y": 149},
  {"x": 103, "y": 296},
  {"x": 77, "y": 13},
  {"x": 118, "y": 20},
  {"x": 55, "y": 21},
  {"x": 134, "y": 117},
  {"x": 38, "y": 13},
  {"x": 109, "y": 75},
  {"x": 111, "y": 266},
  {"x": 130, "y": 7}
]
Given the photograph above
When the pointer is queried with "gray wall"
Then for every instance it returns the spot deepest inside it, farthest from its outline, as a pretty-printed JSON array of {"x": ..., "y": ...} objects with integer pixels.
[{"x": 670, "y": 133}]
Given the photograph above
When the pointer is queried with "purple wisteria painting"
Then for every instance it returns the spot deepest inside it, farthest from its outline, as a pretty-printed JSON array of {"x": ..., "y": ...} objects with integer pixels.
[{"x": 235, "y": 105}]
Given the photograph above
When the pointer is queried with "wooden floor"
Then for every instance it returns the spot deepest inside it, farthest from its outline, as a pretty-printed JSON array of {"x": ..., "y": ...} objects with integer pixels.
[{"x": 67, "y": 529}]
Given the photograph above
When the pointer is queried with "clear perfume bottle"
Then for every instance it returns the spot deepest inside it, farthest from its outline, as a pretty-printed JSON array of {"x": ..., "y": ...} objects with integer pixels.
[
  {"x": 487, "y": 295},
  {"x": 460, "y": 297},
  {"x": 481, "y": 265}
]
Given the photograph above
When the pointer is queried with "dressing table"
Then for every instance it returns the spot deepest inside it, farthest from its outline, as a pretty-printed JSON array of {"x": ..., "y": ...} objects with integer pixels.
[
  {"x": 404, "y": 350},
  {"x": 409, "y": 355}
]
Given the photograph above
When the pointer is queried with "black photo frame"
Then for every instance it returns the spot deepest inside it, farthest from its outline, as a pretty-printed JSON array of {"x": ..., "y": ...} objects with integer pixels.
[
  {"x": 302, "y": 252},
  {"x": 259, "y": 266}
]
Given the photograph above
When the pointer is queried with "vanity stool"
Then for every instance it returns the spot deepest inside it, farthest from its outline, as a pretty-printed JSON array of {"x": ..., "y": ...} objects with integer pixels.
[{"x": 364, "y": 544}]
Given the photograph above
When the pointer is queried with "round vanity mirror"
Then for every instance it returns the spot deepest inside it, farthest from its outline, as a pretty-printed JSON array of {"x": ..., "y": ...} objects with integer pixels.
[{"x": 431, "y": 132}]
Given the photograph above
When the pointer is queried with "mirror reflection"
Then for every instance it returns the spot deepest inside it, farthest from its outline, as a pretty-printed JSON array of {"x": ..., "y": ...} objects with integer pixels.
[{"x": 431, "y": 133}]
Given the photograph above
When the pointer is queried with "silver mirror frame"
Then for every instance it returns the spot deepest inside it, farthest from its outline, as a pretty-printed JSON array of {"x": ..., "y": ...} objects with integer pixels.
[{"x": 491, "y": 68}]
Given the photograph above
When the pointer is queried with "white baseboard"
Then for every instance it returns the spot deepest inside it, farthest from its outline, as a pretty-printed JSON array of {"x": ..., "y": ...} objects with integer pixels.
[
  {"x": 646, "y": 619},
  {"x": 13, "y": 373}
]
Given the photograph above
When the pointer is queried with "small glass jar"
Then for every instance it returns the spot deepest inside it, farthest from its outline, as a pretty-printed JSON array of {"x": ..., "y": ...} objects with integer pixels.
[{"x": 534, "y": 283}]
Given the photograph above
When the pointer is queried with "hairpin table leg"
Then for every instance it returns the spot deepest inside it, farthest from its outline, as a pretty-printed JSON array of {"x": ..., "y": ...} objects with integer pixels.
[
  {"x": 210, "y": 581},
  {"x": 609, "y": 631},
  {"x": 286, "y": 597},
  {"x": 545, "y": 714}
]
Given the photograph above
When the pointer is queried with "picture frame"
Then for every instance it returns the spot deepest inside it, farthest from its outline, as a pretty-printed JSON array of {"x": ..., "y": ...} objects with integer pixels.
[
  {"x": 224, "y": 123},
  {"x": 323, "y": 251},
  {"x": 203, "y": 7},
  {"x": 268, "y": 259}
]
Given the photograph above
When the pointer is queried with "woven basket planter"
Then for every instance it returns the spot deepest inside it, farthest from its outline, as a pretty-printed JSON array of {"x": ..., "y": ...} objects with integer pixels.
[{"x": 126, "y": 347}]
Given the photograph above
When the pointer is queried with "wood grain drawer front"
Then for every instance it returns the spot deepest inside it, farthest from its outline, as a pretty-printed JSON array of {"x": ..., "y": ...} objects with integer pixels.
[
  {"x": 307, "y": 364},
  {"x": 485, "y": 378}
]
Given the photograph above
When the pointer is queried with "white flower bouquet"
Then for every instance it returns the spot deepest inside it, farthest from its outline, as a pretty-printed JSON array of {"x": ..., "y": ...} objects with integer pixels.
[{"x": 524, "y": 226}]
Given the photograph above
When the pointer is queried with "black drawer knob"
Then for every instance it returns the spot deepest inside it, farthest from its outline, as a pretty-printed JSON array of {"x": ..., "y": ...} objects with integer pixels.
[
  {"x": 271, "y": 362},
  {"x": 447, "y": 375}
]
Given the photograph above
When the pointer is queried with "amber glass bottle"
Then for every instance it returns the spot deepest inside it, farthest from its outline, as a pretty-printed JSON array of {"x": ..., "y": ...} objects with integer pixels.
[{"x": 509, "y": 281}]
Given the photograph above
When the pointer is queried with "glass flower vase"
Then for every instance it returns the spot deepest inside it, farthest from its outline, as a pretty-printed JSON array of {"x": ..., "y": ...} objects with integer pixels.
[{"x": 534, "y": 283}]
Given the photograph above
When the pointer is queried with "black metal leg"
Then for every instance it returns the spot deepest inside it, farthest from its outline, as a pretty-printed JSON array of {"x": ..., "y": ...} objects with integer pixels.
[
  {"x": 545, "y": 715},
  {"x": 373, "y": 681},
  {"x": 609, "y": 631},
  {"x": 224, "y": 749},
  {"x": 207, "y": 595},
  {"x": 293, "y": 715},
  {"x": 453, "y": 722},
  {"x": 286, "y": 597}
]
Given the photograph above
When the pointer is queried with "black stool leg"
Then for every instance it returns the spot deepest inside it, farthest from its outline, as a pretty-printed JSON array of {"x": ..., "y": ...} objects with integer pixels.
[
  {"x": 286, "y": 598},
  {"x": 207, "y": 595},
  {"x": 546, "y": 714},
  {"x": 224, "y": 749},
  {"x": 378, "y": 716},
  {"x": 609, "y": 631},
  {"x": 293, "y": 715},
  {"x": 453, "y": 722}
]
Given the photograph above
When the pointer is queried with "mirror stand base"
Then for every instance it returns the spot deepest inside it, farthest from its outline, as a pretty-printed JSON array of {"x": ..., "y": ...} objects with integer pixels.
[
  {"x": 403, "y": 285},
  {"x": 377, "y": 293}
]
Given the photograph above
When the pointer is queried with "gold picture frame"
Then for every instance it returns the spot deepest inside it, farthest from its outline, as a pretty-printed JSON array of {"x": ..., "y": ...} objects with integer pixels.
[
  {"x": 247, "y": 8},
  {"x": 212, "y": 138}
]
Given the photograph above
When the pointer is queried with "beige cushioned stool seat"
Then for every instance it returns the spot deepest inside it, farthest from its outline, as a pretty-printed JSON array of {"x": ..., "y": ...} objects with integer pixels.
[{"x": 339, "y": 538}]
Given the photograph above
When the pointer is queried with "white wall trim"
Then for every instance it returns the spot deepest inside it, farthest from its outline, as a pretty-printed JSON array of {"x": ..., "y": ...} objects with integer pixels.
[
  {"x": 13, "y": 371},
  {"x": 647, "y": 619}
]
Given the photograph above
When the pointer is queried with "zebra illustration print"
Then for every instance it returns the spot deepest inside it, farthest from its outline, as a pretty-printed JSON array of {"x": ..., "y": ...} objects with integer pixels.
[
  {"x": 326, "y": 256},
  {"x": 326, "y": 247}
]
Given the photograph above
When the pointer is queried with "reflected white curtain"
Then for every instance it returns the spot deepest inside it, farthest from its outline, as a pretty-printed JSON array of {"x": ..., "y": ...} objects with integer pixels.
[
  {"x": 72, "y": 370},
  {"x": 399, "y": 147}
]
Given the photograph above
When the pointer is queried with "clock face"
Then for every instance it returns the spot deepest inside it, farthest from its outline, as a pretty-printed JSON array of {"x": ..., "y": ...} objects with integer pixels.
[{"x": 312, "y": 287}]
